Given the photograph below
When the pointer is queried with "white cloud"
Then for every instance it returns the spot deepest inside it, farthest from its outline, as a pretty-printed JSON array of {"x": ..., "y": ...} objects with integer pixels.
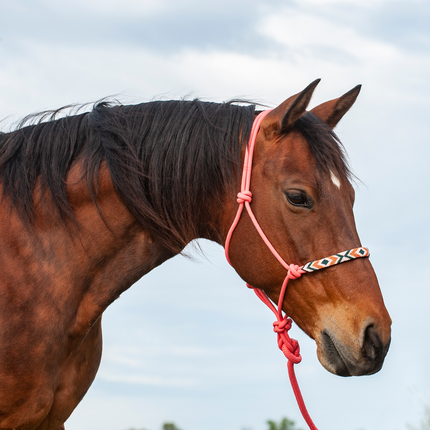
[{"x": 324, "y": 43}]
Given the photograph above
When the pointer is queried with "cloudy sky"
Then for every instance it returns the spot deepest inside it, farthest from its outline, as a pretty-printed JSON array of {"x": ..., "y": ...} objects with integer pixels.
[{"x": 189, "y": 343}]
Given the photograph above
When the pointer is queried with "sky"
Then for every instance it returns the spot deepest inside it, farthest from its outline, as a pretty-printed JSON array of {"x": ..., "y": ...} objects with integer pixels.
[{"x": 189, "y": 343}]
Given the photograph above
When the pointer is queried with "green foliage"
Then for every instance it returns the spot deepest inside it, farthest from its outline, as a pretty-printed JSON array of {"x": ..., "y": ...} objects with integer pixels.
[
  {"x": 165, "y": 426},
  {"x": 284, "y": 424},
  {"x": 169, "y": 426}
]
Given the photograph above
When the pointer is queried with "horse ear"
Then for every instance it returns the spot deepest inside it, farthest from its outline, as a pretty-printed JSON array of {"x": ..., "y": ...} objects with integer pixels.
[
  {"x": 288, "y": 112},
  {"x": 332, "y": 111}
]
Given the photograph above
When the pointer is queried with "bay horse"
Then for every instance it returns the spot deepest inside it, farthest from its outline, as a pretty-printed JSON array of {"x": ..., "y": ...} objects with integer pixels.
[{"x": 91, "y": 202}]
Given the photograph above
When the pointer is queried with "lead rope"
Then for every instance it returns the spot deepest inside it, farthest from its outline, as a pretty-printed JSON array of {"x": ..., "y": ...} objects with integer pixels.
[{"x": 289, "y": 346}]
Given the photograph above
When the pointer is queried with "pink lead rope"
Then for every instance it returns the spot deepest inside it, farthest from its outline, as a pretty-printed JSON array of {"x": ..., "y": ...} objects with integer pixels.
[{"x": 290, "y": 347}]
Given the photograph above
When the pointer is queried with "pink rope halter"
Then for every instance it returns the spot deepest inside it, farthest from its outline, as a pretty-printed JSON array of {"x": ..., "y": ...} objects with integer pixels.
[{"x": 290, "y": 347}]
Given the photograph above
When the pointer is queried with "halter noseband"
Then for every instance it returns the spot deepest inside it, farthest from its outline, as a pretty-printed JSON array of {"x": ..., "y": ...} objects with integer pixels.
[{"x": 287, "y": 345}]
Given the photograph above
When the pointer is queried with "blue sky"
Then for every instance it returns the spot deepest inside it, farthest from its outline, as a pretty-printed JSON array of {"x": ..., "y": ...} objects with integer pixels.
[{"x": 189, "y": 343}]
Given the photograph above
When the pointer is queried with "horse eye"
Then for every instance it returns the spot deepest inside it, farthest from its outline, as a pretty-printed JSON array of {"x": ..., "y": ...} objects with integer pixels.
[{"x": 299, "y": 198}]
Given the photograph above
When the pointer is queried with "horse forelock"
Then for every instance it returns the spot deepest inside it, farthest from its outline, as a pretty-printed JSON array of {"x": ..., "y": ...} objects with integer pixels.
[{"x": 325, "y": 146}]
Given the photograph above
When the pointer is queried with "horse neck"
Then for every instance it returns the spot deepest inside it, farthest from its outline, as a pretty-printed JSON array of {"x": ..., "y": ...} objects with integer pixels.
[
  {"x": 79, "y": 267},
  {"x": 116, "y": 248}
]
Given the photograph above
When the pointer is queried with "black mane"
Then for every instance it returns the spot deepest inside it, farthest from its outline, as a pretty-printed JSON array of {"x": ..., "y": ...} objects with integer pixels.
[{"x": 169, "y": 160}]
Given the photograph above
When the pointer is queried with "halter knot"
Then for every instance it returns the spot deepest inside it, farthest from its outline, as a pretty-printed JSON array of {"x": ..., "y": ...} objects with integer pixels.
[
  {"x": 290, "y": 347},
  {"x": 244, "y": 196},
  {"x": 294, "y": 271},
  {"x": 283, "y": 325},
  {"x": 291, "y": 351}
]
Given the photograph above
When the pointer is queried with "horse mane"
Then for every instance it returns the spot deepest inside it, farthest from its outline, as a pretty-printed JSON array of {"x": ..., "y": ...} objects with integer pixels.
[{"x": 169, "y": 160}]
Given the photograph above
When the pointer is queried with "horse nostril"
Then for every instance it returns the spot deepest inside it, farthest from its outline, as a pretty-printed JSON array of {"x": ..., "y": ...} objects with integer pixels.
[{"x": 372, "y": 345}]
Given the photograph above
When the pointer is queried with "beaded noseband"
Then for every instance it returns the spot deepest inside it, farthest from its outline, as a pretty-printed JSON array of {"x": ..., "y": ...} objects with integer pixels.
[{"x": 287, "y": 345}]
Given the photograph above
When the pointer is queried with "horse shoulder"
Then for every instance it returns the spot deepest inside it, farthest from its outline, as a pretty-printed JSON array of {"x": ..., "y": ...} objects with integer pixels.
[{"x": 56, "y": 279}]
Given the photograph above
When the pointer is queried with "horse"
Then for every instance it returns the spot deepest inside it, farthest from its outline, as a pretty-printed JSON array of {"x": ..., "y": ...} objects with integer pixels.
[{"x": 93, "y": 201}]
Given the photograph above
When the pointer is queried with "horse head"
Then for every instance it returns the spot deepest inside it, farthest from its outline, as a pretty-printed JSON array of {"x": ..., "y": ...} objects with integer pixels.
[{"x": 303, "y": 199}]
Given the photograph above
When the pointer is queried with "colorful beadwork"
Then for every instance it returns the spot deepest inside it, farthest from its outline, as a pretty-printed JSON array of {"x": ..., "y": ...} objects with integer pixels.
[{"x": 338, "y": 258}]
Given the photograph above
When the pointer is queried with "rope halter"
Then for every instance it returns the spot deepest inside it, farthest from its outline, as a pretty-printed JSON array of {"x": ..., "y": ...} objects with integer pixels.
[{"x": 289, "y": 346}]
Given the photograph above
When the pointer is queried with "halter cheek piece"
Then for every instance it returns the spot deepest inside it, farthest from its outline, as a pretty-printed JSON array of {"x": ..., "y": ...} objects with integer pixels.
[{"x": 287, "y": 345}]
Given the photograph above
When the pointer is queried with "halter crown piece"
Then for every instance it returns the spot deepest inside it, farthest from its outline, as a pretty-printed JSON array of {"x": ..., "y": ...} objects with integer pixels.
[{"x": 287, "y": 345}]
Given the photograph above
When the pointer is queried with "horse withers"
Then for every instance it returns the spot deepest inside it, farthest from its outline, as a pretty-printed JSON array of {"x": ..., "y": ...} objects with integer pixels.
[{"x": 92, "y": 202}]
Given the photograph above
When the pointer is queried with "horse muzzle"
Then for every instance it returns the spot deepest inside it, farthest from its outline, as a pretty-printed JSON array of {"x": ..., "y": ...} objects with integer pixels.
[{"x": 363, "y": 357}]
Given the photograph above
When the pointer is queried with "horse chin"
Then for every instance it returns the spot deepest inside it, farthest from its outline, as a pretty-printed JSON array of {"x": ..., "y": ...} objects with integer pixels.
[{"x": 342, "y": 361}]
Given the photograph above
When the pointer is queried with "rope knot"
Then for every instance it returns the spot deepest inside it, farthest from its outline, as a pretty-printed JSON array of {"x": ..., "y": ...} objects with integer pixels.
[
  {"x": 244, "y": 196},
  {"x": 283, "y": 325},
  {"x": 290, "y": 347},
  {"x": 294, "y": 271},
  {"x": 291, "y": 350}
]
